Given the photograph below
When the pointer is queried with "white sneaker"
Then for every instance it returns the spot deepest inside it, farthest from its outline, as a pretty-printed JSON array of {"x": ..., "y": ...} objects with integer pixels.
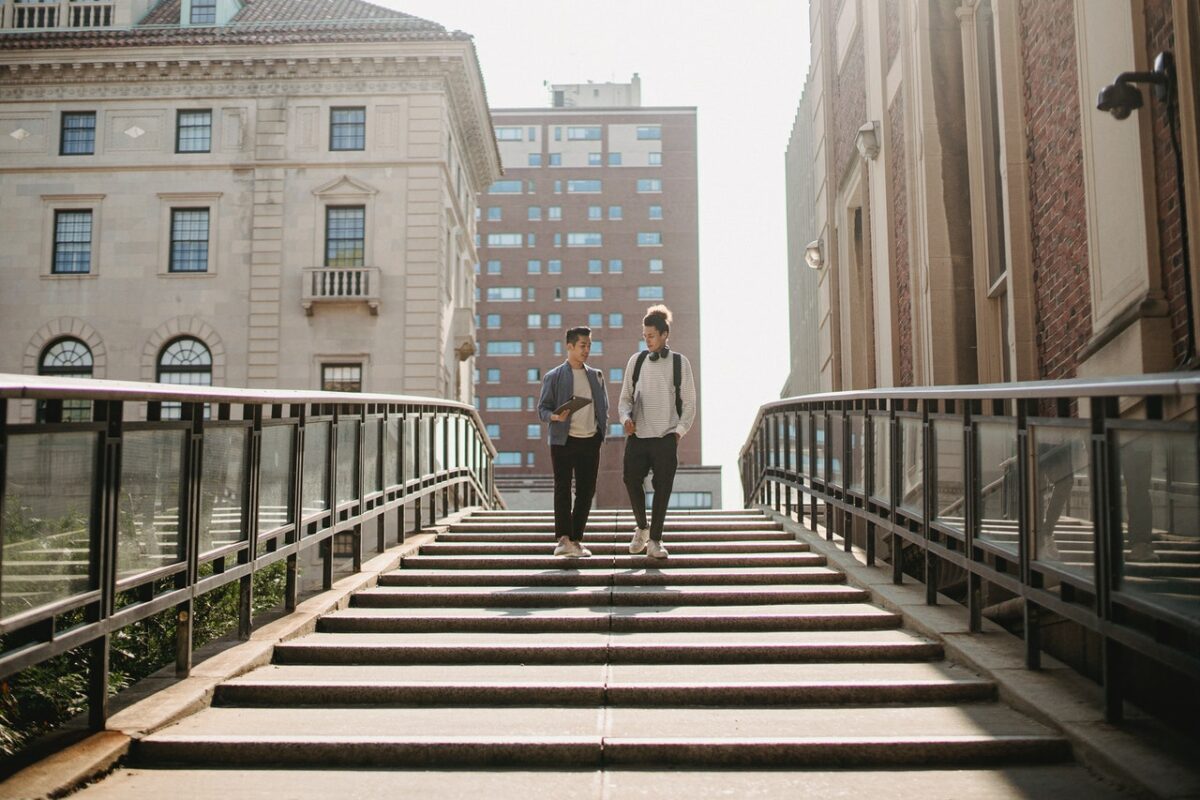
[
  {"x": 565, "y": 547},
  {"x": 654, "y": 549},
  {"x": 640, "y": 537}
]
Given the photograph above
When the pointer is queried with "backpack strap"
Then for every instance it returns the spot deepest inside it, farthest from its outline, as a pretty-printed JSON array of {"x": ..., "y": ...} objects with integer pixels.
[
  {"x": 637, "y": 367},
  {"x": 678, "y": 365}
]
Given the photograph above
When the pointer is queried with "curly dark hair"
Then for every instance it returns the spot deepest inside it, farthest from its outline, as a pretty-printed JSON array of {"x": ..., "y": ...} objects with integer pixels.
[{"x": 659, "y": 318}]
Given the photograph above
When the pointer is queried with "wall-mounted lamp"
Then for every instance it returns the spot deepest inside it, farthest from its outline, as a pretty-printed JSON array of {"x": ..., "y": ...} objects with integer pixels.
[
  {"x": 814, "y": 254},
  {"x": 867, "y": 140}
]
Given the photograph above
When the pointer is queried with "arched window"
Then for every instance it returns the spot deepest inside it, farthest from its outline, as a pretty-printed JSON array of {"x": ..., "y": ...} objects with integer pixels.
[
  {"x": 67, "y": 358},
  {"x": 185, "y": 361}
]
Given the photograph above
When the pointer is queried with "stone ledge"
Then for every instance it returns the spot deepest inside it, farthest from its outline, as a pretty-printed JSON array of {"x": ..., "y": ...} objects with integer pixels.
[{"x": 1141, "y": 752}]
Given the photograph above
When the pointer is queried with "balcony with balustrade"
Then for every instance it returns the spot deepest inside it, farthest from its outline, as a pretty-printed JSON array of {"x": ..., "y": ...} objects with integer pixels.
[
  {"x": 56, "y": 15},
  {"x": 340, "y": 285}
]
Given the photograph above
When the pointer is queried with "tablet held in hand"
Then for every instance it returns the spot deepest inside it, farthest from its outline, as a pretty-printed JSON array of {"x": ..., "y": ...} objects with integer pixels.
[{"x": 572, "y": 405}]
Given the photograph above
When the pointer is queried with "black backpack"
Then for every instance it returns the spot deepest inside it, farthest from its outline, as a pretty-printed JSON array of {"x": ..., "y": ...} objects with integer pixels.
[{"x": 677, "y": 364}]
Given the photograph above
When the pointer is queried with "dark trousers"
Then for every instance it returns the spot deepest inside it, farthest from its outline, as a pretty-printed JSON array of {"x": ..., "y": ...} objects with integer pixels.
[
  {"x": 642, "y": 456},
  {"x": 579, "y": 458}
]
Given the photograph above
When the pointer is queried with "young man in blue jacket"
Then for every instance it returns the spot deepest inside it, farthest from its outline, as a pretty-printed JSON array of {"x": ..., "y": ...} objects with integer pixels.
[{"x": 575, "y": 439}]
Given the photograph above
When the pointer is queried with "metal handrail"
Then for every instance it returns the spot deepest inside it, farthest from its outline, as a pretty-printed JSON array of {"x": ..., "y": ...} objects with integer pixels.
[
  {"x": 787, "y": 465},
  {"x": 363, "y": 459}
]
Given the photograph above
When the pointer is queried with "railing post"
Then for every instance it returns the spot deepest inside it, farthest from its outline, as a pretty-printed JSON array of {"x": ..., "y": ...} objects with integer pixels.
[
  {"x": 359, "y": 491},
  {"x": 1033, "y": 648},
  {"x": 418, "y": 464},
  {"x": 895, "y": 471},
  {"x": 189, "y": 535},
  {"x": 972, "y": 486},
  {"x": 846, "y": 517},
  {"x": 1106, "y": 513},
  {"x": 331, "y": 483},
  {"x": 105, "y": 522},
  {"x": 929, "y": 497},
  {"x": 253, "y": 462},
  {"x": 291, "y": 591}
]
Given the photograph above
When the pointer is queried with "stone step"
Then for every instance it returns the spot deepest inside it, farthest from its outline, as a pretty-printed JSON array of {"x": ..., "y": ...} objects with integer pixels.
[
  {"x": 682, "y": 548},
  {"x": 726, "y": 618},
  {"x": 636, "y": 595},
  {"x": 558, "y": 736},
  {"x": 621, "y": 512},
  {"x": 601, "y": 685},
  {"x": 622, "y": 537},
  {"x": 669, "y": 527},
  {"x": 699, "y": 576},
  {"x": 599, "y": 648},
  {"x": 495, "y": 562}
]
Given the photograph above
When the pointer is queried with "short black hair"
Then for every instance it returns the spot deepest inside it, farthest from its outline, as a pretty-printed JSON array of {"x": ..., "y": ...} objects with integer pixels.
[
  {"x": 659, "y": 318},
  {"x": 573, "y": 334}
]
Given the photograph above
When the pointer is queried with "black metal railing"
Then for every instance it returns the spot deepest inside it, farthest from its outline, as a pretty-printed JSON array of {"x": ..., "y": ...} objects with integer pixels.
[
  {"x": 126, "y": 499},
  {"x": 1080, "y": 497}
]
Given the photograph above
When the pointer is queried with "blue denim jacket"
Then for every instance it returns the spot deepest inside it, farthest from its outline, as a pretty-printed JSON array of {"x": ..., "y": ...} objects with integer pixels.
[{"x": 558, "y": 386}]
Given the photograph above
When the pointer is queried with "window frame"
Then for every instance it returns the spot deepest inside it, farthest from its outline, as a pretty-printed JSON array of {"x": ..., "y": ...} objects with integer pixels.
[
  {"x": 171, "y": 263},
  {"x": 331, "y": 207},
  {"x": 179, "y": 129},
  {"x": 54, "y": 241},
  {"x": 334, "y": 126},
  {"x": 63, "y": 128}
]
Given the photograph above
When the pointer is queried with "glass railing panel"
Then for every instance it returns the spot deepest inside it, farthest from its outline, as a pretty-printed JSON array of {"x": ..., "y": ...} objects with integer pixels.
[
  {"x": 912, "y": 465},
  {"x": 148, "y": 533},
  {"x": 837, "y": 439},
  {"x": 275, "y": 477},
  {"x": 222, "y": 487},
  {"x": 410, "y": 450},
  {"x": 804, "y": 443},
  {"x": 1159, "y": 501},
  {"x": 793, "y": 445},
  {"x": 949, "y": 465},
  {"x": 347, "y": 460},
  {"x": 46, "y": 527},
  {"x": 997, "y": 495},
  {"x": 819, "y": 446},
  {"x": 315, "y": 484},
  {"x": 371, "y": 482},
  {"x": 393, "y": 461},
  {"x": 858, "y": 453},
  {"x": 881, "y": 469},
  {"x": 1060, "y": 484},
  {"x": 439, "y": 442}
]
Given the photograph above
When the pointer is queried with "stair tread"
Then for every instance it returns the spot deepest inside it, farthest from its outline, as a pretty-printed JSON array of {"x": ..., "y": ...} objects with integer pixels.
[
  {"x": 715, "y": 612},
  {"x": 661, "y": 639}
]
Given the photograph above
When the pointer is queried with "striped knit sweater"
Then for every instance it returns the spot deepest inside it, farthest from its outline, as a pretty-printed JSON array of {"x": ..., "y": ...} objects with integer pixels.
[{"x": 651, "y": 404}]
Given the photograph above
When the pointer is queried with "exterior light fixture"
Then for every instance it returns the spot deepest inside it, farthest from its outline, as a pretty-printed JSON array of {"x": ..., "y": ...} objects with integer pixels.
[
  {"x": 814, "y": 254},
  {"x": 867, "y": 140}
]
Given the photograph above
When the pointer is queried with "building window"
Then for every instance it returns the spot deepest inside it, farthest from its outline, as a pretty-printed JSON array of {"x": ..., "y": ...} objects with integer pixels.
[
  {"x": 616, "y": 320},
  {"x": 556, "y": 159},
  {"x": 531, "y": 240},
  {"x": 533, "y": 267},
  {"x": 532, "y": 133},
  {"x": 67, "y": 358},
  {"x": 186, "y": 362},
  {"x": 493, "y": 375},
  {"x": 345, "y": 238},
  {"x": 595, "y": 266},
  {"x": 530, "y": 458},
  {"x": 554, "y": 266},
  {"x": 348, "y": 128},
  {"x": 504, "y": 240},
  {"x": 595, "y": 212},
  {"x": 204, "y": 12},
  {"x": 530, "y": 294},
  {"x": 505, "y": 187},
  {"x": 507, "y": 134},
  {"x": 558, "y": 134},
  {"x": 533, "y": 431},
  {"x": 533, "y": 375},
  {"x": 654, "y": 159},
  {"x": 341, "y": 377},
  {"x": 72, "y": 242},
  {"x": 614, "y": 159},
  {"x": 614, "y": 212},
  {"x": 493, "y": 266},
  {"x": 594, "y": 160},
  {"x": 503, "y": 348},
  {"x": 533, "y": 320},
  {"x": 193, "y": 129},
  {"x": 585, "y": 240},
  {"x": 595, "y": 320},
  {"x": 585, "y": 187},
  {"x": 503, "y": 293},
  {"x": 78, "y": 135},
  {"x": 535, "y": 159},
  {"x": 649, "y": 239},
  {"x": 554, "y": 320},
  {"x": 587, "y": 293},
  {"x": 597, "y": 347},
  {"x": 649, "y": 131},
  {"x": 507, "y": 458},
  {"x": 655, "y": 212},
  {"x": 656, "y": 265},
  {"x": 530, "y": 348},
  {"x": 650, "y": 293},
  {"x": 616, "y": 266},
  {"x": 503, "y": 403},
  {"x": 558, "y": 348},
  {"x": 554, "y": 213},
  {"x": 616, "y": 374},
  {"x": 535, "y": 214},
  {"x": 558, "y": 187},
  {"x": 589, "y": 133},
  {"x": 493, "y": 430},
  {"x": 649, "y": 185},
  {"x": 493, "y": 320},
  {"x": 189, "y": 240},
  {"x": 530, "y": 403},
  {"x": 530, "y": 186},
  {"x": 494, "y": 214}
]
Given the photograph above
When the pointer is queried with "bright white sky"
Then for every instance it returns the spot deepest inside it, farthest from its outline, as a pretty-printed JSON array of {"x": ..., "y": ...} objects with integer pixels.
[{"x": 742, "y": 64}]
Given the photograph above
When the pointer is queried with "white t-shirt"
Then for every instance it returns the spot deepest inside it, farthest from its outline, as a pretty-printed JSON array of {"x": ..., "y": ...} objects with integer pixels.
[{"x": 583, "y": 421}]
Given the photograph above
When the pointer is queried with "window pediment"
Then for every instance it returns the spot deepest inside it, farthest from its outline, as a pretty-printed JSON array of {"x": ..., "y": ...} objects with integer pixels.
[{"x": 345, "y": 187}]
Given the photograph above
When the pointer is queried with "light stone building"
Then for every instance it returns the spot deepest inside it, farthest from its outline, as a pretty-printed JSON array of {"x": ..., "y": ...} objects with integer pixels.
[{"x": 244, "y": 193}]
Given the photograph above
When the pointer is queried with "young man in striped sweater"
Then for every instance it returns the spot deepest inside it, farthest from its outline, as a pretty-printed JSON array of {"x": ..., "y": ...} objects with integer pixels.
[{"x": 657, "y": 407}]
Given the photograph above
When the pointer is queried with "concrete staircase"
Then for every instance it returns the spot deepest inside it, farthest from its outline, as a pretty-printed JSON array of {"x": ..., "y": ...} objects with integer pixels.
[{"x": 742, "y": 650}]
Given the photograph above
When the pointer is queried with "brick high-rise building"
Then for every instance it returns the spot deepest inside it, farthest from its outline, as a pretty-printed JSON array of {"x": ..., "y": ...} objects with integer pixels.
[{"x": 594, "y": 220}]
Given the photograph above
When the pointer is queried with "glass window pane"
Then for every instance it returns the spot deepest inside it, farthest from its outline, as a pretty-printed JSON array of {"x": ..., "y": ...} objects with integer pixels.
[
  {"x": 912, "y": 465},
  {"x": 345, "y": 236},
  {"x": 949, "y": 462},
  {"x": 881, "y": 472},
  {"x": 347, "y": 460},
  {"x": 189, "y": 240},
  {"x": 275, "y": 477},
  {"x": 72, "y": 242},
  {"x": 148, "y": 533},
  {"x": 316, "y": 469},
  {"x": 1062, "y": 501},
  {"x": 347, "y": 128},
  {"x": 998, "y": 498},
  {"x": 221, "y": 487}
]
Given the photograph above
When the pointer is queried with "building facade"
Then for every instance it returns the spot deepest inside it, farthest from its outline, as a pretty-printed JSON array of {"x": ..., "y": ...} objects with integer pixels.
[
  {"x": 240, "y": 193},
  {"x": 594, "y": 220},
  {"x": 977, "y": 218}
]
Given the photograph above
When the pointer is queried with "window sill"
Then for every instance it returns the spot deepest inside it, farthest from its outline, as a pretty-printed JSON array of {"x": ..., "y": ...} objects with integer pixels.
[{"x": 70, "y": 276}]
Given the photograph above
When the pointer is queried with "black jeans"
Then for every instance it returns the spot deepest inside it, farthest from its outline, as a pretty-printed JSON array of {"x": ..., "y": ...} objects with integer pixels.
[
  {"x": 642, "y": 456},
  {"x": 581, "y": 458}
]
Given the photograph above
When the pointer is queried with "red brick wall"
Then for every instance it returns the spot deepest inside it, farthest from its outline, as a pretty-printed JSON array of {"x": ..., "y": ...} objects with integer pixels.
[
  {"x": 899, "y": 237},
  {"x": 1058, "y": 217},
  {"x": 849, "y": 105},
  {"x": 1160, "y": 35}
]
